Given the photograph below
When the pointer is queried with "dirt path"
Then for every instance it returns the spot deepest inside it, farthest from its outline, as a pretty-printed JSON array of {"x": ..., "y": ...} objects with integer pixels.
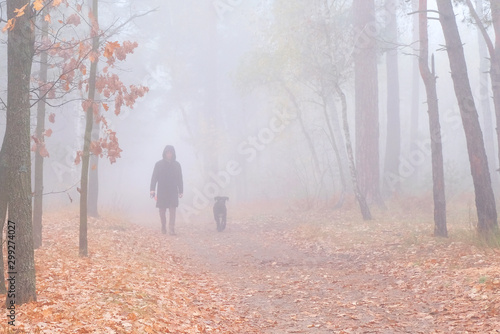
[
  {"x": 288, "y": 290},
  {"x": 264, "y": 274}
]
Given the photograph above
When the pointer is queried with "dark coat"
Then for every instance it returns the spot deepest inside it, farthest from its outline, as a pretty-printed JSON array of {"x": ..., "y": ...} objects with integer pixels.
[{"x": 168, "y": 175}]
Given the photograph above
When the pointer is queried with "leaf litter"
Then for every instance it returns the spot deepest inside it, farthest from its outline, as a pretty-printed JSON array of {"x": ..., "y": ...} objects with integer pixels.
[{"x": 321, "y": 271}]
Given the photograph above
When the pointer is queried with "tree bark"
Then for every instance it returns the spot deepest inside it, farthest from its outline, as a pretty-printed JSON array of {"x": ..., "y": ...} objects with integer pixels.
[
  {"x": 486, "y": 43},
  {"x": 486, "y": 111},
  {"x": 20, "y": 57},
  {"x": 415, "y": 88},
  {"x": 495, "y": 67},
  {"x": 366, "y": 94},
  {"x": 3, "y": 208},
  {"x": 365, "y": 209},
  {"x": 93, "y": 194},
  {"x": 393, "y": 142},
  {"x": 429, "y": 79},
  {"x": 40, "y": 128},
  {"x": 484, "y": 197},
  {"x": 83, "y": 244}
]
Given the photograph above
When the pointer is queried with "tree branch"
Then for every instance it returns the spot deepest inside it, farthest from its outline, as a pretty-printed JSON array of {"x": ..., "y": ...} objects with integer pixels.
[{"x": 481, "y": 27}]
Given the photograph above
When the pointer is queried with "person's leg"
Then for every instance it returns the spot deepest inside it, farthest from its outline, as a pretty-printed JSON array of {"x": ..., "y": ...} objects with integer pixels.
[
  {"x": 163, "y": 219},
  {"x": 171, "y": 221}
]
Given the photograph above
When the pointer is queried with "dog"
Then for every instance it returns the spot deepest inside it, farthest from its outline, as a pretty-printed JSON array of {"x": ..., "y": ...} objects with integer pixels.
[{"x": 220, "y": 212}]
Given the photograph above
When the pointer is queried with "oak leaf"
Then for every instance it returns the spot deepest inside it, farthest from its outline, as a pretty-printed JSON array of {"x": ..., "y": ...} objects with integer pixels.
[
  {"x": 42, "y": 150},
  {"x": 20, "y": 11},
  {"x": 10, "y": 25},
  {"x": 110, "y": 49},
  {"x": 38, "y": 5},
  {"x": 73, "y": 19}
]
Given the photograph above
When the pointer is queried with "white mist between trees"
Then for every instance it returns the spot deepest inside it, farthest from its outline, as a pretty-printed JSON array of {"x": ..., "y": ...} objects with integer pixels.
[{"x": 248, "y": 151}]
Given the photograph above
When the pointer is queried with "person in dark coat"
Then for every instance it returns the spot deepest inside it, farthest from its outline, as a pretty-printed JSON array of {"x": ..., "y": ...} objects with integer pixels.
[{"x": 167, "y": 181}]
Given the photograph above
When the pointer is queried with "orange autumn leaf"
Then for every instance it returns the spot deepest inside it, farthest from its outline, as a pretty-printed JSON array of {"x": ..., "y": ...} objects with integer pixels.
[
  {"x": 56, "y": 3},
  {"x": 78, "y": 158},
  {"x": 47, "y": 18},
  {"x": 73, "y": 19},
  {"x": 95, "y": 148},
  {"x": 93, "y": 56},
  {"x": 105, "y": 106},
  {"x": 110, "y": 49},
  {"x": 10, "y": 25},
  {"x": 52, "y": 118},
  {"x": 42, "y": 150},
  {"x": 48, "y": 133},
  {"x": 20, "y": 11},
  {"x": 38, "y": 5}
]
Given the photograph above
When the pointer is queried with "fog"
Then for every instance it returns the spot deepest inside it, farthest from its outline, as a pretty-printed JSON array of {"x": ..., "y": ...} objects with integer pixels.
[{"x": 236, "y": 133}]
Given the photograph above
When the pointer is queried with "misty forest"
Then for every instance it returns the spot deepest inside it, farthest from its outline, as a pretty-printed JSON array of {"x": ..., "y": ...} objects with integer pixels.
[{"x": 250, "y": 166}]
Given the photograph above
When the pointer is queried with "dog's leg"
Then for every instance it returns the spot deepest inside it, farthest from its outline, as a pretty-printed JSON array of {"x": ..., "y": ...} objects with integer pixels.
[{"x": 223, "y": 224}]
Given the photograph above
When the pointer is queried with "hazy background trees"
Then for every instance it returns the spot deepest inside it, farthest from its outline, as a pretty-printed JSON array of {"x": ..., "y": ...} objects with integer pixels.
[{"x": 251, "y": 94}]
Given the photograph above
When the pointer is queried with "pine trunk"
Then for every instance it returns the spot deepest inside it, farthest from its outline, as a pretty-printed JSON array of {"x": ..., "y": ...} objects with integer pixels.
[
  {"x": 429, "y": 79},
  {"x": 495, "y": 68},
  {"x": 393, "y": 142},
  {"x": 415, "y": 88},
  {"x": 366, "y": 94},
  {"x": 484, "y": 94},
  {"x": 485, "y": 199}
]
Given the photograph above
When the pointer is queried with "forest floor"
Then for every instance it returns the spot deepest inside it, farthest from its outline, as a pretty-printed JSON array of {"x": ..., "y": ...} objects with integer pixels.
[{"x": 270, "y": 271}]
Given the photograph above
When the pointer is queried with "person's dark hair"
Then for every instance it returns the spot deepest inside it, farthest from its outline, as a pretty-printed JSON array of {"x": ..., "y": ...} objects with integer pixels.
[{"x": 167, "y": 149}]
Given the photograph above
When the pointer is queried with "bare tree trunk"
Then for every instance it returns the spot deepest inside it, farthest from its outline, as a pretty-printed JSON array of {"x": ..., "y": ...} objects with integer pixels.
[
  {"x": 365, "y": 209},
  {"x": 3, "y": 209},
  {"x": 486, "y": 43},
  {"x": 495, "y": 65},
  {"x": 485, "y": 199},
  {"x": 83, "y": 244},
  {"x": 495, "y": 68},
  {"x": 366, "y": 93},
  {"x": 415, "y": 87},
  {"x": 93, "y": 194},
  {"x": 429, "y": 78},
  {"x": 484, "y": 93},
  {"x": 393, "y": 142},
  {"x": 20, "y": 52},
  {"x": 40, "y": 128}
]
